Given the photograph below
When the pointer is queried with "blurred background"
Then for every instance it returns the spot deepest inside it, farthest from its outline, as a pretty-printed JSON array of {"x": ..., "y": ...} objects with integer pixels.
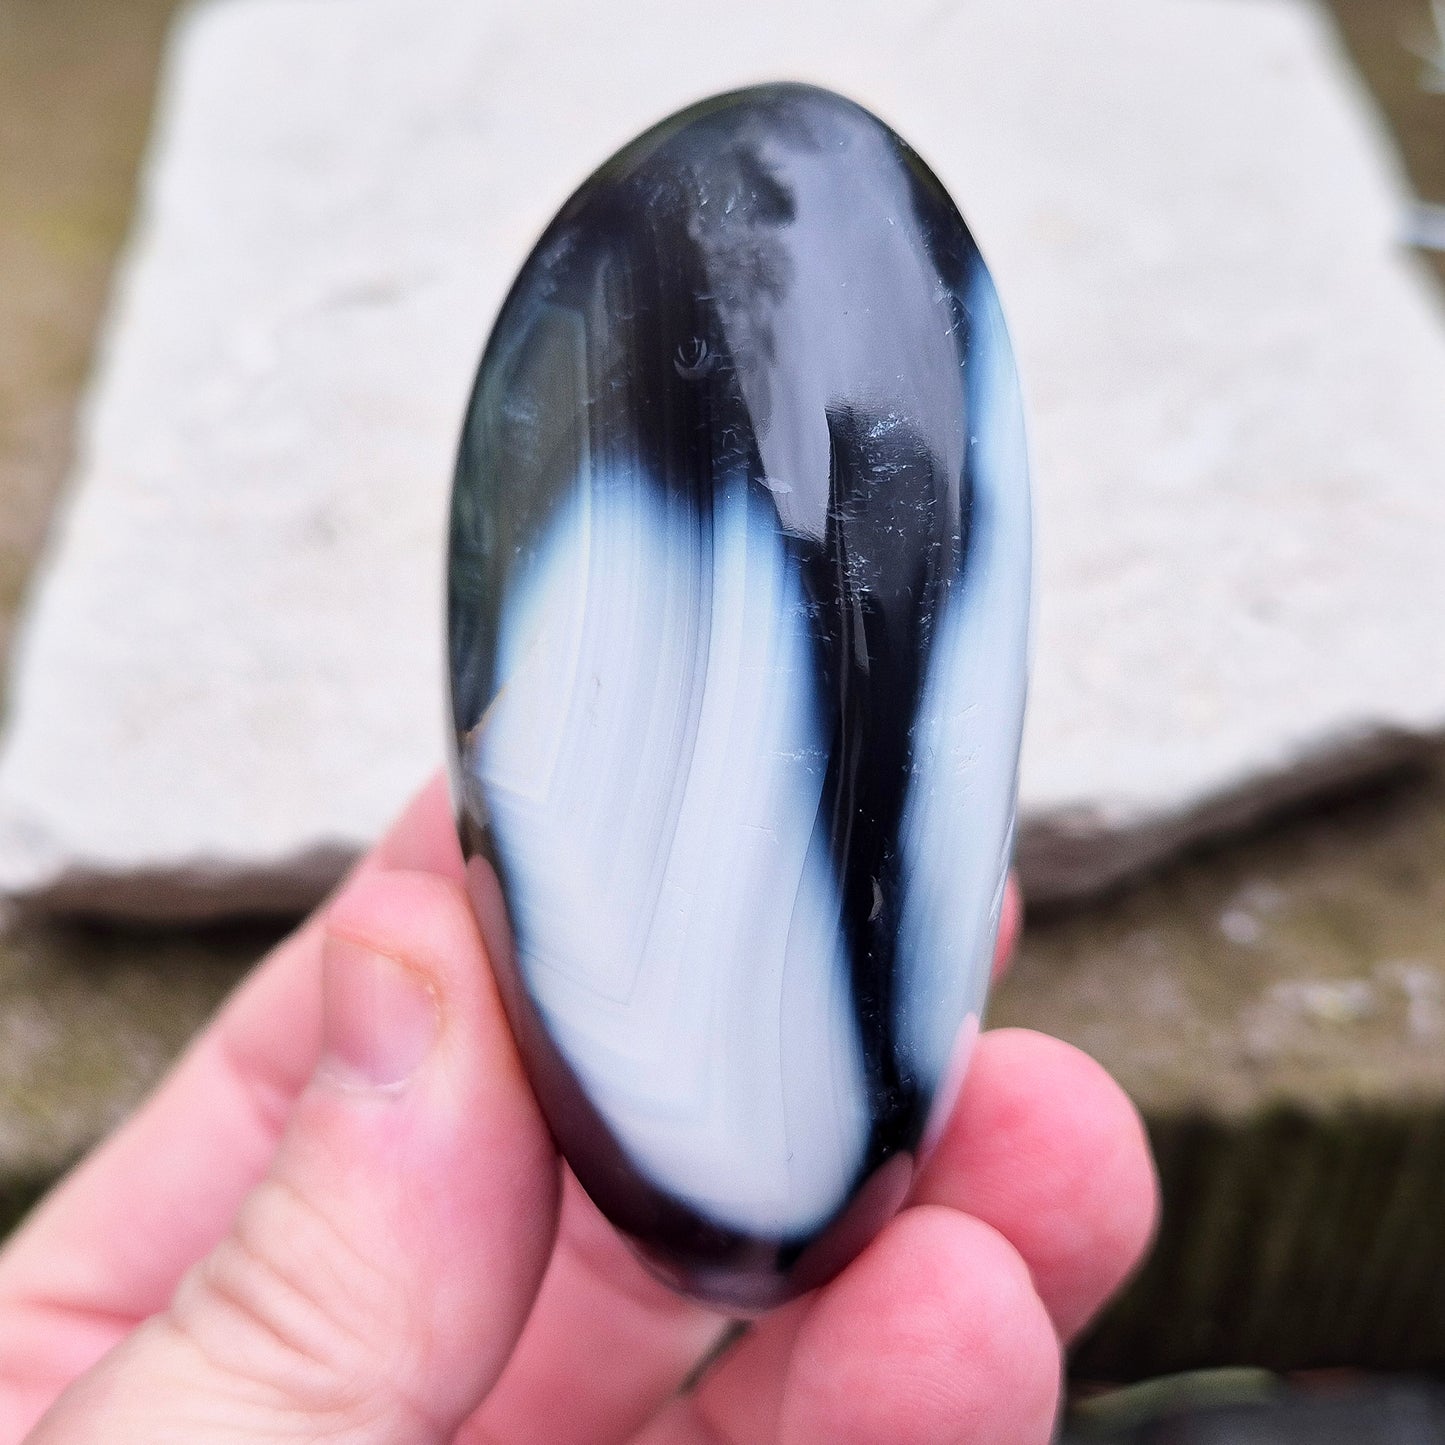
[{"x": 1255, "y": 948}]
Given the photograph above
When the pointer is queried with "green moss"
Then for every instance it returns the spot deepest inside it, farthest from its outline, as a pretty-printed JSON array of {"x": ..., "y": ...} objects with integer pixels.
[
  {"x": 1108, "y": 1414},
  {"x": 89, "y": 1019},
  {"x": 1385, "y": 39},
  {"x": 76, "y": 86}
]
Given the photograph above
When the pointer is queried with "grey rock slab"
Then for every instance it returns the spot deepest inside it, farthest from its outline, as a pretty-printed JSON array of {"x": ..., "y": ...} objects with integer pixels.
[{"x": 231, "y": 674}]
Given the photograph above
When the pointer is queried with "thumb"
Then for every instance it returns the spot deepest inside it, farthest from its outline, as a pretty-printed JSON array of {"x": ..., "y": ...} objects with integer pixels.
[{"x": 374, "y": 1284}]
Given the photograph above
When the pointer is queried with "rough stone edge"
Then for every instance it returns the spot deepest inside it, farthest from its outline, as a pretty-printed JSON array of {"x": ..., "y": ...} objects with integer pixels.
[
  {"x": 1065, "y": 857},
  {"x": 1073, "y": 854},
  {"x": 204, "y": 891}
]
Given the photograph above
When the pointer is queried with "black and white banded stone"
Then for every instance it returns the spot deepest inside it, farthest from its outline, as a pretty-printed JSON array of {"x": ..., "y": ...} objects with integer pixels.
[{"x": 738, "y": 603}]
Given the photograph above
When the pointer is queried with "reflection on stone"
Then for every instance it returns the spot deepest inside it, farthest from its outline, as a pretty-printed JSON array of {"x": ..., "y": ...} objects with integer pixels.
[{"x": 738, "y": 610}]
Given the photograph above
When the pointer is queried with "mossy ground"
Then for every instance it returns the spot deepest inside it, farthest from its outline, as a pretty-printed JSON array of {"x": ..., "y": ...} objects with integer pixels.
[
  {"x": 1301, "y": 967},
  {"x": 1276, "y": 1007}
]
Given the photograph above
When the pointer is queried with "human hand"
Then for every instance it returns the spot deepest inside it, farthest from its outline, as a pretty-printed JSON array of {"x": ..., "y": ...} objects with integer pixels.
[{"x": 341, "y": 1219}]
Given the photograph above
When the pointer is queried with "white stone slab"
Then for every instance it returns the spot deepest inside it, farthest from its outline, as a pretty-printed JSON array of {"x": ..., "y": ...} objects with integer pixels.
[{"x": 232, "y": 671}]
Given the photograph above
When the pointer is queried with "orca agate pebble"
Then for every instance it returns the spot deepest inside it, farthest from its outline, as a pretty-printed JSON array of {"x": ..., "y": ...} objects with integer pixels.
[{"x": 738, "y": 612}]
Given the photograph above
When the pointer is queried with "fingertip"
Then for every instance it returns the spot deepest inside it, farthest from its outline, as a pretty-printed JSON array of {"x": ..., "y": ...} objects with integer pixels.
[
  {"x": 424, "y": 838},
  {"x": 1010, "y": 925},
  {"x": 473, "y": 1077},
  {"x": 1049, "y": 1150},
  {"x": 379, "y": 1016},
  {"x": 934, "y": 1334},
  {"x": 426, "y": 925},
  {"x": 418, "y": 917}
]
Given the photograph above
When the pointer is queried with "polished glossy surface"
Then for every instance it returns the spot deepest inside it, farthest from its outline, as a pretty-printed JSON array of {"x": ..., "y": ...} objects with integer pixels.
[{"x": 738, "y": 614}]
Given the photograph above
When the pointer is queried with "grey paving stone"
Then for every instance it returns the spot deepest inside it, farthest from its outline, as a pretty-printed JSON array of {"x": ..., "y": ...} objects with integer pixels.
[{"x": 232, "y": 673}]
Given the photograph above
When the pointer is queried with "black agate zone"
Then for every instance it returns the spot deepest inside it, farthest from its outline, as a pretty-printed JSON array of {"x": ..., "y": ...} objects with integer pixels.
[{"x": 739, "y": 584}]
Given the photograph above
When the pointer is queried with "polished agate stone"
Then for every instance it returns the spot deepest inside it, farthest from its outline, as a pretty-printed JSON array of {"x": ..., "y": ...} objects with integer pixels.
[{"x": 739, "y": 583}]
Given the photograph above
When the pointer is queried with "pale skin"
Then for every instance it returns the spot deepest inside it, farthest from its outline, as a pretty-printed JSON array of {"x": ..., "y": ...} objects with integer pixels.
[{"x": 341, "y": 1219}]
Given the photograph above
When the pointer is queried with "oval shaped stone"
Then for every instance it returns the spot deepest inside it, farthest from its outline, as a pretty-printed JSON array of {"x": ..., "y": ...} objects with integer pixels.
[{"x": 739, "y": 584}]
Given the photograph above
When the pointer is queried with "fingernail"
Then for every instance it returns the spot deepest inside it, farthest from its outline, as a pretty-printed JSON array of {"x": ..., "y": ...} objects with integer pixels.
[{"x": 379, "y": 1017}]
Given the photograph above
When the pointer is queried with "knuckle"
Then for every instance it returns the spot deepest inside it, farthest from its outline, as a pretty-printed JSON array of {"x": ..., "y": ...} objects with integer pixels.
[{"x": 285, "y": 1307}]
